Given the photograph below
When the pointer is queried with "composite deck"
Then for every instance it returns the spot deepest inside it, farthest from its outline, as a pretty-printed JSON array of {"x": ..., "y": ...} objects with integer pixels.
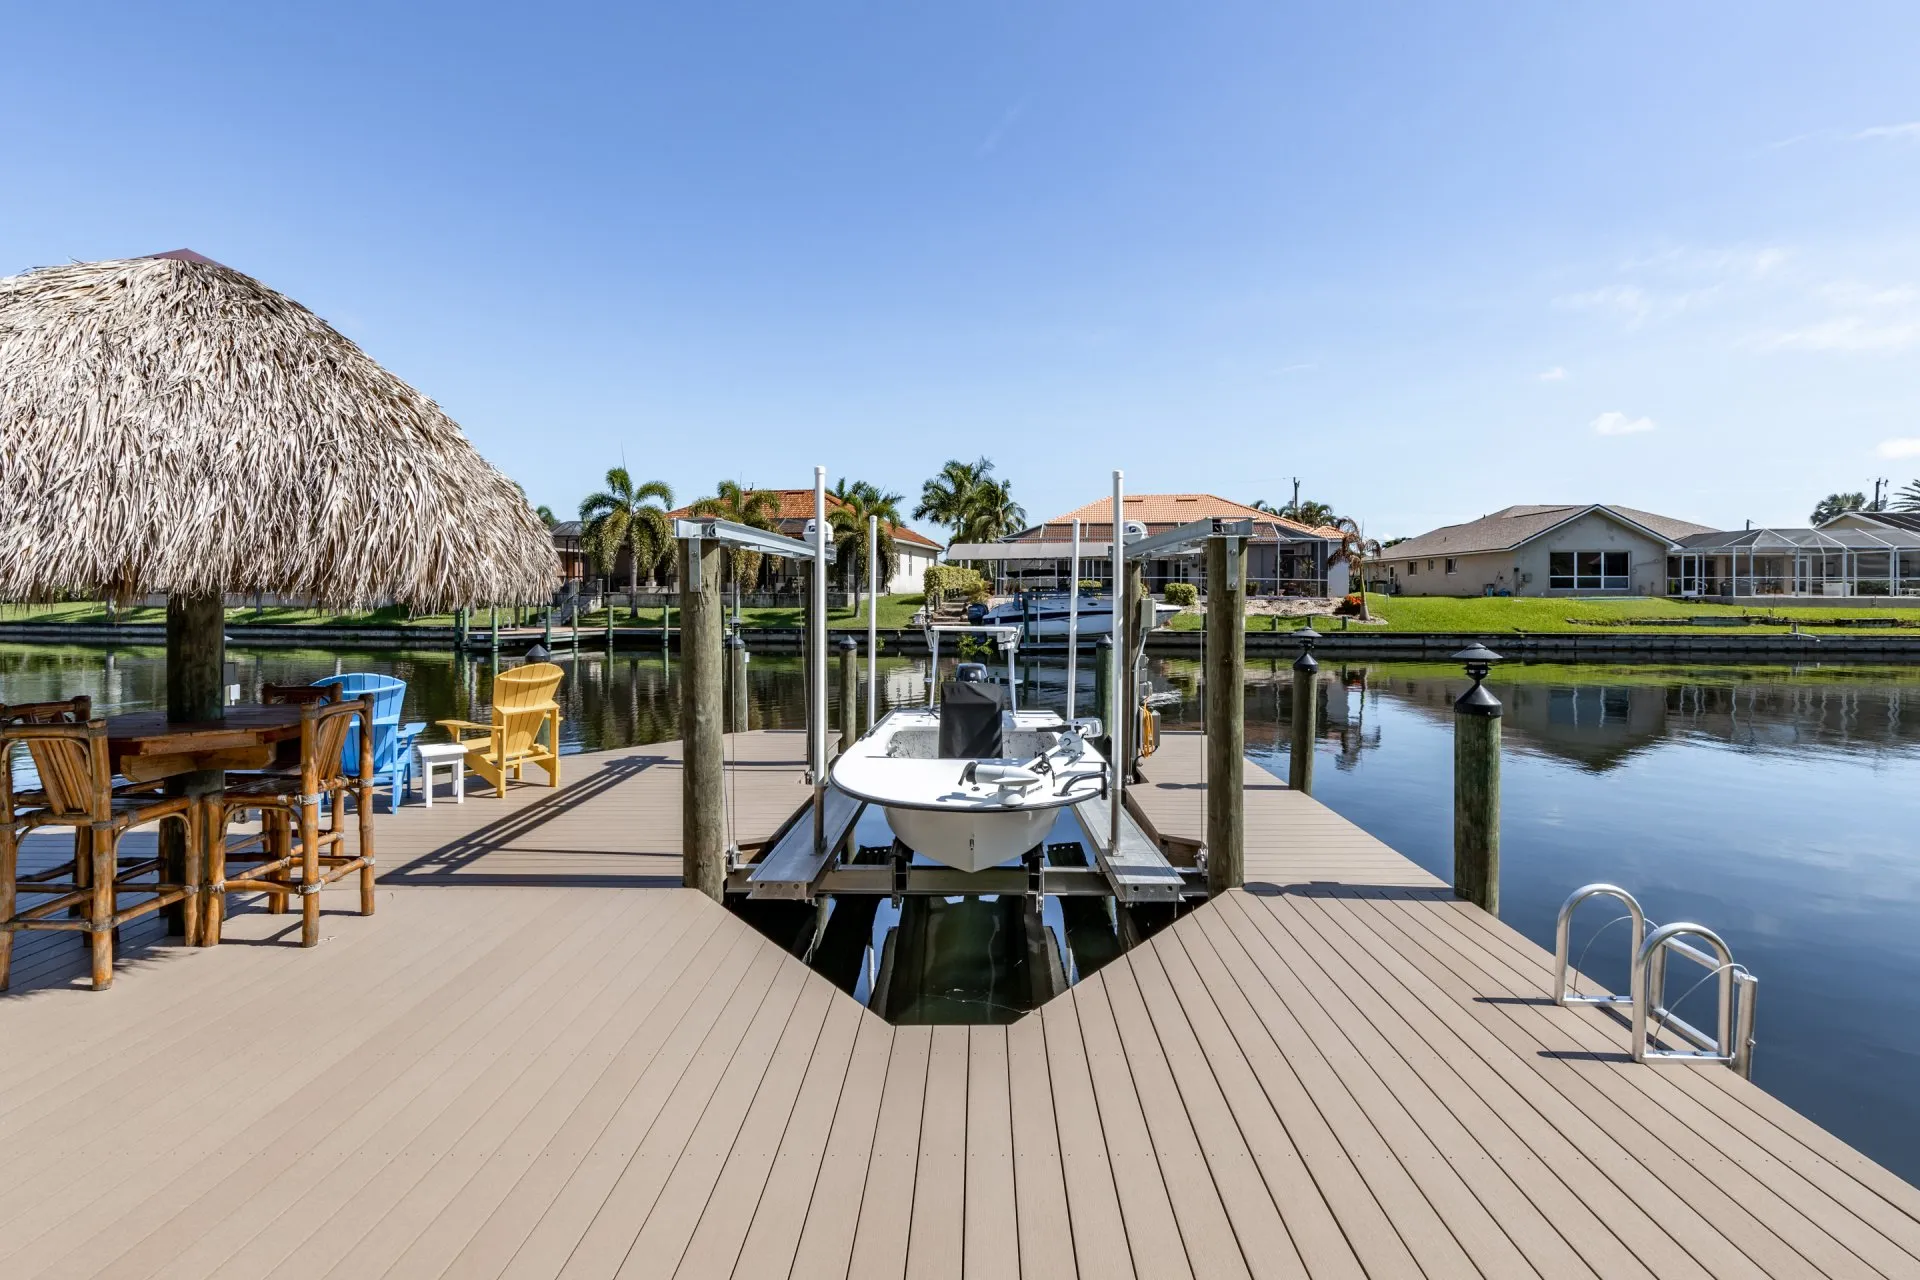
[{"x": 540, "y": 1059}]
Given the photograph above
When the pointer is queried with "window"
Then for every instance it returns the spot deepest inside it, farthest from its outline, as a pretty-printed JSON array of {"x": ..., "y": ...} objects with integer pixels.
[
  {"x": 1450, "y": 568},
  {"x": 1589, "y": 571},
  {"x": 1413, "y": 567}
]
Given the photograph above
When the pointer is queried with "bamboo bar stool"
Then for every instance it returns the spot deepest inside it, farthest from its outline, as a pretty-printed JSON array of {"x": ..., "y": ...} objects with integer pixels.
[
  {"x": 274, "y": 861},
  {"x": 69, "y": 751}
]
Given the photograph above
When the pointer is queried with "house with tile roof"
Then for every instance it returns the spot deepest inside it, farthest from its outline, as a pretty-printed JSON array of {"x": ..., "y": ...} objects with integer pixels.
[
  {"x": 913, "y": 550},
  {"x": 1283, "y": 558},
  {"x": 1549, "y": 549}
]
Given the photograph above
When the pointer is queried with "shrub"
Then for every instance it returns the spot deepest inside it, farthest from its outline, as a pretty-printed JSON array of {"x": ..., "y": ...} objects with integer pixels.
[
  {"x": 1184, "y": 594},
  {"x": 1091, "y": 584},
  {"x": 944, "y": 581},
  {"x": 1349, "y": 607}
]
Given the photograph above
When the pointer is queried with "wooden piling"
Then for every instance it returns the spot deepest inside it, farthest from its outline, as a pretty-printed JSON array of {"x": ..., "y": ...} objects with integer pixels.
[
  {"x": 1476, "y": 797},
  {"x": 703, "y": 841},
  {"x": 737, "y": 702},
  {"x": 1306, "y": 712},
  {"x": 1103, "y": 688},
  {"x": 1139, "y": 610},
  {"x": 1226, "y": 675},
  {"x": 849, "y": 693}
]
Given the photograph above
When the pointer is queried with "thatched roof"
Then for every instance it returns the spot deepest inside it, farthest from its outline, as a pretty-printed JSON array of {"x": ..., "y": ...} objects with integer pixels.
[{"x": 170, "y": 425}]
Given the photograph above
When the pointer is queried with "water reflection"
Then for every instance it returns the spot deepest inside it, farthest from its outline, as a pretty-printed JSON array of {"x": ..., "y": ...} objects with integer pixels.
[{"x": 1776, "y": 804}]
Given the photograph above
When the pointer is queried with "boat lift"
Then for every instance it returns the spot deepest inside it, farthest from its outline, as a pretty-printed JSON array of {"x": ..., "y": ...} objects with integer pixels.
[{"x": 804, "y": 859}]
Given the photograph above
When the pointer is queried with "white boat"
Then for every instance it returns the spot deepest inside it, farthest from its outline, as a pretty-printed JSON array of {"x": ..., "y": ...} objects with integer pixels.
[
  {"x": 1045, "y": 616},
  {"x": 970, "y": 780},
  {"x": 972, "y": 811}
]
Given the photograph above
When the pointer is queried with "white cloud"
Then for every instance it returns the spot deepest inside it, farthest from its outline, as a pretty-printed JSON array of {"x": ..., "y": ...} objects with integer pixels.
[
  {"x": 1626, "y": 300},
  {"x": 1848, "y": 333},
  {"x": 1908, "y": 132},
  {"x": 1554, "y": 374},
  {"x": 1615, "y": 423},
  {"x": 1901, "y": 447}
]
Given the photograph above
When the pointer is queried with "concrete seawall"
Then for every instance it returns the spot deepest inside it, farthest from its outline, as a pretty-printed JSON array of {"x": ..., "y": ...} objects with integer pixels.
[{"x": 1609, "y": 645}]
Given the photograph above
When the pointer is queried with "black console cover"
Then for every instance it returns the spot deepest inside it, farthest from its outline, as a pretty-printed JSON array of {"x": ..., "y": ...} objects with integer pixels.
[{"x": 970, "y": 721}]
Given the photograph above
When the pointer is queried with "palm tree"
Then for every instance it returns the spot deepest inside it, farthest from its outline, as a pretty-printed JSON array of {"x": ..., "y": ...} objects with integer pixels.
[
  {"x": 991, "y": 513},
  {"x": 948, "y": 497},
  {"x": 622, "y": 518},
  {"x": 847, "y": 522},
  {"x": 754, "y": 508},
  {"x": 1837, "y": 504},
  {"x": 1908, "y": 499},
  {"x": 546, "y": 515},
  {"x": 1314, "y": 515},
  {"x": 1355, "y": 549}
]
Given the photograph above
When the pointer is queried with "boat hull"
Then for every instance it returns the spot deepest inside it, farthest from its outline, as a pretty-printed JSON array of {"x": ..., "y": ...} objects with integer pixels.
[
  {"x": 1047, "y": 619},
  {"x": 972, "y": 841}
]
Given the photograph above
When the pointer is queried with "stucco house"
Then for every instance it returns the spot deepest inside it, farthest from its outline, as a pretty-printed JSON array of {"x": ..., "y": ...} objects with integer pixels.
[{"x": 1541, "y": 550}]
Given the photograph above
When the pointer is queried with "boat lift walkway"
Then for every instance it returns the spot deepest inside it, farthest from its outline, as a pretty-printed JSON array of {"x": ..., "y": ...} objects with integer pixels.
[{"x": 542, "y": 1059}]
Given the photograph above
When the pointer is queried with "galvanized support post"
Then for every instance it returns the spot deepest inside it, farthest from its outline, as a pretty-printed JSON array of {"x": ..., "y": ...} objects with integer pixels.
[
  {"x": 703, "y": 841},
  {"x": 1306, "y": 712},
  {"x": 737, "y": 682},
  {"x": 609, "y": 622},
  {"x": 1226, "y": 666},
  {"x": 1476, "y": 785},
  {"x": 546, "y": 629},
  {"x": 849, "y": 693},
  {"x": 493, "y": 639}
]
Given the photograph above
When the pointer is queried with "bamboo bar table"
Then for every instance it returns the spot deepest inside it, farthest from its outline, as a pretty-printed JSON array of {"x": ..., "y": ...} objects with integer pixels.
[{"x": 145, "y": 746}]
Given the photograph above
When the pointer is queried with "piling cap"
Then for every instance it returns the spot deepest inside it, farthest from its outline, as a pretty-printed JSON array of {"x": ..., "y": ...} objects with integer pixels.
[
  {"x": 846, "y": 644},
  {"x": 538, "y": 652}
]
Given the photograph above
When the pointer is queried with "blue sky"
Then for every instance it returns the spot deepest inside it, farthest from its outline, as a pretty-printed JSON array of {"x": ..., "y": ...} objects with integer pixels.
[{"x": 1432, "y": 259}]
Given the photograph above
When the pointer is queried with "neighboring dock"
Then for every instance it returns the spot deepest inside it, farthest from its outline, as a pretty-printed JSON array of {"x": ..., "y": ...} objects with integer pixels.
[{"x": 540, "y": 1058}]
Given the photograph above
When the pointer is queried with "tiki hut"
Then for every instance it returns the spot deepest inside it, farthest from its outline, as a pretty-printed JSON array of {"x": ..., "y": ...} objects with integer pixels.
[{"x": 170, "y": 425}]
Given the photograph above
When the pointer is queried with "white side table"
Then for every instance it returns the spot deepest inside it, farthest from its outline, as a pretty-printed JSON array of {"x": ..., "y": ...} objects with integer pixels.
[{"x": 448, "y": 755}]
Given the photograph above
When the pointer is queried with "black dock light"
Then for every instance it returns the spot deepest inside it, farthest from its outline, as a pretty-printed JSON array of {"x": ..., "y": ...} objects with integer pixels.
[
  {"x": 1478, "y": 700},
  {"x": 1306, "y": 712},
  {"x": 1307, "y": 637},
  {"x": 538, "y": 652},
  {"x": 1476, "y": 784}
]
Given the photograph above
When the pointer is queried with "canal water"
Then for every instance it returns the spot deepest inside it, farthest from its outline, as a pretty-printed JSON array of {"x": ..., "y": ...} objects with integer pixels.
[{"x": 1778, "y": 805}]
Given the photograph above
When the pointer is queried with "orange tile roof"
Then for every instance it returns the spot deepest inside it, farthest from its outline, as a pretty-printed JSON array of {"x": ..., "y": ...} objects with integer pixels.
[
  {"x": 1174, "y": 509},
  {"x": 796, "y": 505}
]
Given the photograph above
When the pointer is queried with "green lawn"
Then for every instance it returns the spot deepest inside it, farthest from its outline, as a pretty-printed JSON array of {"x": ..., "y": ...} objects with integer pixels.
[
  {"x": 1493, "y": 615},
  {"x": 895, "y": 611},
  {"x": 1477, "y": 615}
]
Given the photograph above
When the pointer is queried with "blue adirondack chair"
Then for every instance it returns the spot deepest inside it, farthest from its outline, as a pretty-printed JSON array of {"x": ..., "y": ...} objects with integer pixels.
[{"x": 392, "y": 741}]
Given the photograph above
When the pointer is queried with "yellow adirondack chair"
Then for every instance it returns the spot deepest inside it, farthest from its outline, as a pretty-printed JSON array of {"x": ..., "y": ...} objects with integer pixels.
[{"x": 522, "y": 705}]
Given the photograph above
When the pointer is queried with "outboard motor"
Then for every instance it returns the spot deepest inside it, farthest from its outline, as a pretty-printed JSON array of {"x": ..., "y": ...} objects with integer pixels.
[
  {"x": 976, "y": 614},
  {"x": 970, "y": 725}
]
